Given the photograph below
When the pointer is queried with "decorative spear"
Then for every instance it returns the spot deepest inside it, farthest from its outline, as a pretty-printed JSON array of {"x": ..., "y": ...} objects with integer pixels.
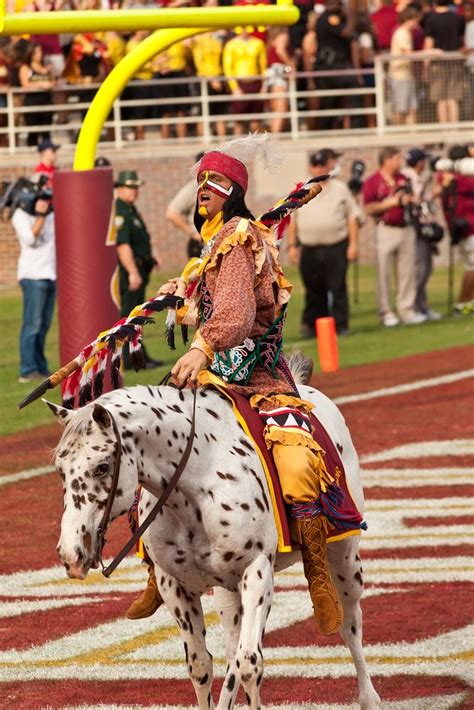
[{"x": 85, "y": 373}]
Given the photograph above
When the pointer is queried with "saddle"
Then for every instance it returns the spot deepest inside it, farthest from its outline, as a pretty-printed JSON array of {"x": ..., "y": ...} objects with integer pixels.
[{"x": 343, "y": 517}]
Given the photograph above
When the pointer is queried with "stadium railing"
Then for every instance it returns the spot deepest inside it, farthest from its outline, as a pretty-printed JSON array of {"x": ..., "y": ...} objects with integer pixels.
[{"x": 366, "y": 108}]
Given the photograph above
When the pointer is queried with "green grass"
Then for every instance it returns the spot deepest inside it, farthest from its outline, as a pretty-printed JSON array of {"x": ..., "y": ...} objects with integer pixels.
[{"x": 367, "y": 343}]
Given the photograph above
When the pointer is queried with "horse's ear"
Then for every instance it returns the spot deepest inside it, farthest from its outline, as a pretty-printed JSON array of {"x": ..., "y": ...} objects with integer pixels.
[
  {"x": 101, "y": 416},
  {"x": 61, "y": 413}
]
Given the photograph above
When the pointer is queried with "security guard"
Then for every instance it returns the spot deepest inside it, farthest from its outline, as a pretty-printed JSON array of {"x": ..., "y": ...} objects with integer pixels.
[{"x": 135, "y": 257}]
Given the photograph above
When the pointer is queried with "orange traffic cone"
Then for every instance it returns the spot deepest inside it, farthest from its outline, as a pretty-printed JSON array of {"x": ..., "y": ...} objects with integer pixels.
[{"x": 327, "y": 344}]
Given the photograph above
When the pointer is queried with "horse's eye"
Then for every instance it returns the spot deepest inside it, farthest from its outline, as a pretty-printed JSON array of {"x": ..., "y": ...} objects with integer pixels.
[{"x": 102, "y": 469}]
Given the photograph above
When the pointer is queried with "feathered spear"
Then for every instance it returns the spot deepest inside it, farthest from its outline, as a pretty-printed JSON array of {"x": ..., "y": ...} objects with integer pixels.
[{"x": 85, "y": 374}]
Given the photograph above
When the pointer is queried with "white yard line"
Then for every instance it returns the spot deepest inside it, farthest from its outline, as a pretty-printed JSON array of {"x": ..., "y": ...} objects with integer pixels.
[
  {"x": 408, "y": 387},
  {"x": 25, "y": 475}
]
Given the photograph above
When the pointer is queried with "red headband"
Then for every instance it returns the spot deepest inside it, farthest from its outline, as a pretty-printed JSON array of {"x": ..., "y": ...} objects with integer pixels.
[{"x": 226, "y": 165}]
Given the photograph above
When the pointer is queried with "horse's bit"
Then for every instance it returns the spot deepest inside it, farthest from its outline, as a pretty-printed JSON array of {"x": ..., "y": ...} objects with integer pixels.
[{"x": 107, "y": 571}]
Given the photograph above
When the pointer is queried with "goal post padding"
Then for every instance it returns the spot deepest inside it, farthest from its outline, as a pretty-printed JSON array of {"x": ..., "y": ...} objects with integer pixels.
[{"x": 86, "y": 256}]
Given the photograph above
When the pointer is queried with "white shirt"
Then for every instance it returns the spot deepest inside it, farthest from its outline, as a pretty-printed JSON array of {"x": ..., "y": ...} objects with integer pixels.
[
  {"x": 37, "y": 255},
  {"x": 324, "y": 220}
]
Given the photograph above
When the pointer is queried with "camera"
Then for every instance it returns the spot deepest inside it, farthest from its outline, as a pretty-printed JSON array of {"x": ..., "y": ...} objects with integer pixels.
[
  {"x": 24, "y": 193},
  {"x": 355, "y": 178},
  {"x": 464, "y": 166}
]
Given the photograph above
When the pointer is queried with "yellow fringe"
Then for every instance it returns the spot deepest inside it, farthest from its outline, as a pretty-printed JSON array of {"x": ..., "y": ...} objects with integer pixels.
[
  {"x": 238, "y": 238},
  {"x": 288, "y": 437},
  {"x": 281, "y": 400}
]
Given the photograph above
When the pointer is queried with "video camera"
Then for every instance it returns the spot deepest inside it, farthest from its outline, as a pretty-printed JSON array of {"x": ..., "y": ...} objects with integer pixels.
[
  {"x": 24, "y": 193},
  {"x": 355, "y": 178}
]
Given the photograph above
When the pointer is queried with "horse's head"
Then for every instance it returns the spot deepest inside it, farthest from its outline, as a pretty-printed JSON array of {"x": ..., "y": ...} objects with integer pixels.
[{"x": 85, "y": 459}]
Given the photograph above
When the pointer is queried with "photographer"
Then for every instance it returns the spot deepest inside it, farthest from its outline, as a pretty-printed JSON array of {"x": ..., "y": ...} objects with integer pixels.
[
  {"x": 456, "y": 190},
  {"x": 388, "y": 198},
  {"x": 37, "y": 278},
  {"x": 134, "y": 252},
  {"x": 428, "y": 231}
]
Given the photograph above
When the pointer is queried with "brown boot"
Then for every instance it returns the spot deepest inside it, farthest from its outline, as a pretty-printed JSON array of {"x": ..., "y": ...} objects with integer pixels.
[
  {"x": 311, "y": 535},
  {"x": 149, "y": 601}
]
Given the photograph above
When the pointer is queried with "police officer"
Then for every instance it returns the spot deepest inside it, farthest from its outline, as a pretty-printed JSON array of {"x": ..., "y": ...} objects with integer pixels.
[{"x": 135, "y": 257}]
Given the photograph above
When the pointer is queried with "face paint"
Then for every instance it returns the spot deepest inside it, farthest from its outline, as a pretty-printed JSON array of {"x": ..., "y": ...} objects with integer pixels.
[
  {"x": 212, "y": 194},
  {"x": 214, "y": 186}
]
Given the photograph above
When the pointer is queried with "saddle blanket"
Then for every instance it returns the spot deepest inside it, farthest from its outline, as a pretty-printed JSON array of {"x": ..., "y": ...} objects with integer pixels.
[{"x": 252, "y": 424}]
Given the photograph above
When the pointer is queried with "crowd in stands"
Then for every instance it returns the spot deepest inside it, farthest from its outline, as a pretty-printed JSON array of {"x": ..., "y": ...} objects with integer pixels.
[{"x": 329, "y": 37}]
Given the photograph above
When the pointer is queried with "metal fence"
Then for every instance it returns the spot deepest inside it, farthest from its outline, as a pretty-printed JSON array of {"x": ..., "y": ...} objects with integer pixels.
[{"x": 419, "y": 91}]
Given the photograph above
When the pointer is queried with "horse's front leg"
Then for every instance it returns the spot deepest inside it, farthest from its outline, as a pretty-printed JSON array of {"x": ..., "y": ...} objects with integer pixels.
[
  {"x": 187, "y": 611},
  {"x": 346, "y": 573},
  {"x": 247, "y": 667}
]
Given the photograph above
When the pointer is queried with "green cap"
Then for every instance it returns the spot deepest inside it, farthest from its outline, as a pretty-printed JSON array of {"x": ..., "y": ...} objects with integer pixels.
[{"x": 128, "y": 178}]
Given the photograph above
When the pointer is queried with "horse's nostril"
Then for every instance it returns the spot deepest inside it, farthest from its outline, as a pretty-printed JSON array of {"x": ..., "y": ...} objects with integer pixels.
[{"x": 78, "y": 552}]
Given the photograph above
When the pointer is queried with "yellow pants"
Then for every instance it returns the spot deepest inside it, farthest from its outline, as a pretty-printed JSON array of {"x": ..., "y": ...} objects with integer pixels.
[{"x": 298, "y": 472}]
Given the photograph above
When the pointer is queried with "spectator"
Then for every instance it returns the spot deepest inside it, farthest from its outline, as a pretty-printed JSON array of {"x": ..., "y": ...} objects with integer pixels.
[
  {"x": 422, "y": 186},
  {"x": 244, "y": 59},
  {"x": 298, "y": 31},
  {"x": 35, "y": 76},
  {"x": 385, "y": 20},
  {"x": 134, "y": 253},
  {"x": 305, "y": 61},
  {"x": 402, "y": 81},
  {"x": 469, "y": 36},
  {"x": 206, "y": 50},
  {"x": 37, "y": 279},
  {"x": 49, "y": 43},
  {"x": 88, "y": 60},
  {"x": 47, "y": 164},
  {"x": 280, "y": 63},
  {"x": 180, "y": 212},
  {"x": 259, "y": 32},
  {"x": 457, "y": 198},
  {"x": 366, "y": 48},
  {"x": 136, "y": 91},
  {"x": 170, "y": 65},
  {"x": 444, "y": 31},
  {"x": 334, "y": 34},
  {"x": 327, "y": 231},
  {"x": 4, "y": 84},
  {"x": 387, "y": 200}
]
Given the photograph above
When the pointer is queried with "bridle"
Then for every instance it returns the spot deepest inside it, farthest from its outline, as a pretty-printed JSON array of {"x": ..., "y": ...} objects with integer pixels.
[{"x": 104, "y": 523}]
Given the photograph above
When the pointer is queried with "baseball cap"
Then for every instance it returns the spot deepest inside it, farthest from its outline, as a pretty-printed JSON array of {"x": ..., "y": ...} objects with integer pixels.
[
  {"x": 414, "y": 156},
  {"x": 102, "y": 162},
  {"x": 322, "y": 156},
  {"x": 44, "y": 145}
]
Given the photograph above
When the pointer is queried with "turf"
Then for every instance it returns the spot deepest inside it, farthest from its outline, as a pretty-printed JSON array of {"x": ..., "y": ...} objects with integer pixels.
[{"x": 367, "y": 343}]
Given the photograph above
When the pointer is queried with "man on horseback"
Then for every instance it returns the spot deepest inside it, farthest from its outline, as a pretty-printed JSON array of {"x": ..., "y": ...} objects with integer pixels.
[{"x": 239, "y": 303}]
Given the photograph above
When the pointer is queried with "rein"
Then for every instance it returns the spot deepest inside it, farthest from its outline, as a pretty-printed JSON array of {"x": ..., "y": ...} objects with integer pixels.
[{"x": 107, "y": 571}]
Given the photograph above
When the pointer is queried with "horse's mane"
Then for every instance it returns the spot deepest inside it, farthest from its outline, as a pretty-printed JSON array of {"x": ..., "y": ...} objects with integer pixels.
[{"x": 301, "y": 367}]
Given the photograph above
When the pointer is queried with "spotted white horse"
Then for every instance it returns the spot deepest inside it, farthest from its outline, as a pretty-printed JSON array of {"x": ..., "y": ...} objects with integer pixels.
[{"x": 216, "y": 530}]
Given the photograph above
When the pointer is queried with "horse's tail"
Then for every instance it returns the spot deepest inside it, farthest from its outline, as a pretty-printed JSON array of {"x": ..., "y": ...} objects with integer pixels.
[{"x": 301, "y": 367}]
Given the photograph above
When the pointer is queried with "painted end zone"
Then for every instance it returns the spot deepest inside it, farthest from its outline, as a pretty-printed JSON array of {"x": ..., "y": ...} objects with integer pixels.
[{"x": 67, "y": 644}]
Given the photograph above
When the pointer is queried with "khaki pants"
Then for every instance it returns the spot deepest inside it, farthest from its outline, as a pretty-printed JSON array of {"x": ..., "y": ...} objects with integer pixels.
[{"x": 395, "y": 246}]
